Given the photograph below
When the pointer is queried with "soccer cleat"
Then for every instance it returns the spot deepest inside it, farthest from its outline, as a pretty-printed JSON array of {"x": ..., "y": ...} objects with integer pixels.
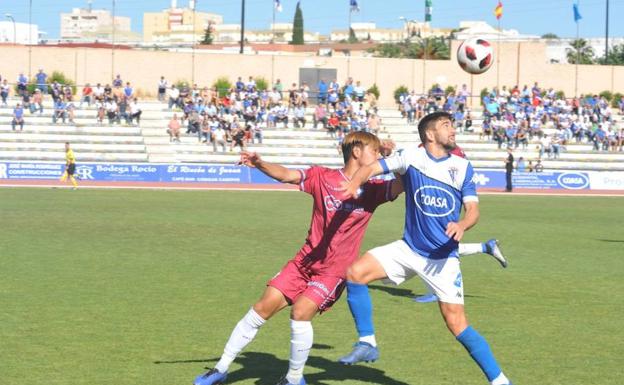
[
  {"x": 493, "y": 248},
  {"x": 213, "y": 377},
  {"x": 427, "y": 298},
  {"x": 362, "y": 352},
  {"x": 284, "y": 381}
]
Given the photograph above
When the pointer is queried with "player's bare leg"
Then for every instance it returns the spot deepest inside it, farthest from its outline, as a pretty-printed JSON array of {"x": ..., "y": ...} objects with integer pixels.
[
  {"x": 271, "y": 302},
  {"x": 478, "y": 348},
  {"x": 364, "y": 270},
  {"x": 301, "y": 339}
]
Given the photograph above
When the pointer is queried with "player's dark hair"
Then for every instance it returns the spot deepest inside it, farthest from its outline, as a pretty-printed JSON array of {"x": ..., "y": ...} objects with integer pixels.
[
  {"x": 428, "y": 123},
  {"x": 358, "y": 139}
]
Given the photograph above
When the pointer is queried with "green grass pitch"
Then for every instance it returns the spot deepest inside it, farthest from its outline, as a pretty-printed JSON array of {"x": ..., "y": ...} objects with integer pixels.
[{"x": 144, "y": 287}]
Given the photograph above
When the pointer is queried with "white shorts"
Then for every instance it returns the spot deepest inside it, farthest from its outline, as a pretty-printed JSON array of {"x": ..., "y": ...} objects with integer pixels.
[{"x": 442, "y": 276}]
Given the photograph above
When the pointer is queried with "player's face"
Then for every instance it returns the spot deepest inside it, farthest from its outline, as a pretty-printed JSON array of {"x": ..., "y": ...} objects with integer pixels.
[
  {"x": 368, "y": 156},
  {"x": 445, "y": 134}
]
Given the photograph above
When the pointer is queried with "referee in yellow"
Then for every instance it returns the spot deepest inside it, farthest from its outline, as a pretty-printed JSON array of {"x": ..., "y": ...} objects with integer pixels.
[{"x": 70, "y": 166}]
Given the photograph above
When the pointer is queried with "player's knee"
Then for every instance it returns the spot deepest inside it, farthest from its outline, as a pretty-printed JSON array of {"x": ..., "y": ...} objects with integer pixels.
[
  {"x": 300, "y": 313},
  {"x": 356, "y": 273},
  {"x": 455, "y": 320}
]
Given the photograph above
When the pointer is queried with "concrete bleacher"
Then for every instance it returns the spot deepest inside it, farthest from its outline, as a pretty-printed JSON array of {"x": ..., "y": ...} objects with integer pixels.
[{"x": 149, "y": 142}]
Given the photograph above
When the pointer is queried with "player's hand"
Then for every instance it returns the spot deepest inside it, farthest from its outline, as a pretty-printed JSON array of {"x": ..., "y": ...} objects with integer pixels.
[
  {"x": 249, "y": 159},
  {"x": 387, "y": 146},
  {"x": 455, "y": 231}
]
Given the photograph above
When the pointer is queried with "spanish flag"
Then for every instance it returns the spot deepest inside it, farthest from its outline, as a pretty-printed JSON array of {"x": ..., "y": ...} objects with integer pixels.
[{"x": 498, "y": 11}]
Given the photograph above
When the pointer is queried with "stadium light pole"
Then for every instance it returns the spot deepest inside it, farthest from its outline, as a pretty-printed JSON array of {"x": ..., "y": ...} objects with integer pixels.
[
  {"x": 242, "y": 36},
  {"x": 10, "y": 17},
  {"x": 193, "y": 45}
]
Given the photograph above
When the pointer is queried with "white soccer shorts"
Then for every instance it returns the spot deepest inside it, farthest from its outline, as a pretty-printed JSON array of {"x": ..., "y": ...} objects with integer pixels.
[{"x": 401, "y": 263}]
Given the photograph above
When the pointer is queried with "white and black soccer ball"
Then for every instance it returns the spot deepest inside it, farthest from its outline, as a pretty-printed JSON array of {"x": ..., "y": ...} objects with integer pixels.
[{"x": 475, "y": 55}]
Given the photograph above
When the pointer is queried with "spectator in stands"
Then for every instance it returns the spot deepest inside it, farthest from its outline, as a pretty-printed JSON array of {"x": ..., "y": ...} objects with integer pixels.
[
  {"x": 22, "y": 82},
  {"x": 333, "y": 125},
  {"x": 278, "y": 86},
  {"x": 322, "y": 92},
  {"x": 539, "y": 167},
  {"x": 218, "y": 138},
  {"x": 123, "y": 110},
  {"x": 108, "y": 92},
  {"x": 174, "y": 97},
  {"x": 205, "y": 132},
  {"x": 621, "y": 105},
  {"x": 281, "y": 115},
  {"x": 4, "y": 91},
  {"x": 544, "y": 147},
  {"x": 128, "y": 91},
  {"x": 374, "y": 123},
  {"x": 98, "y": 93},
  {"x": 520, "y": 165},
  {"x": 18, "y": 117},
  {"x": 257, "y": 134},
  {"x": 59, "y": 110},
  {"x": 70, "y": 111},
  {"x": 87, "y": 95},
  {"x": 135, "y": 112},
  {"x": 36, "y": 104},
  {"x": 173, "y": 129},
  {"x": 162, "y": 89},
  {"x": 299, "y": 116},
  {"x": 112, "y": 111},
  {"x": 359, "y": 91},
  {"x": 117, "y": 82},
  {"x": 320, "y": 115},
  {"x": 530, "y": 166},
  {"x": 118, "y": 94},
  {"x": 509, "y": 166},
  {"x": 237, "y": 135},
  {"x": 42, "y": 81}
]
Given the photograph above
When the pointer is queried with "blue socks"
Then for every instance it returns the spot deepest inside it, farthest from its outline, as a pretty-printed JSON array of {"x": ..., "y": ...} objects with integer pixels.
[
  {"x": 361, "y": 308},
  {"x": 480, "y": 351},
  {"x": 484, "y": 248}
]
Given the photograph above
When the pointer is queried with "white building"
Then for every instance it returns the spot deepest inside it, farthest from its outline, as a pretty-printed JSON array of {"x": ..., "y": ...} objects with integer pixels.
[
  {"x": 278, "y": 33},
  {"x": 470, "y": 29},
  {"x": 557, "y": 49},
  {"x": 369, "y": 31},
  {"x": 84, "y": 23},
  {"x": 20, "y": 33}
]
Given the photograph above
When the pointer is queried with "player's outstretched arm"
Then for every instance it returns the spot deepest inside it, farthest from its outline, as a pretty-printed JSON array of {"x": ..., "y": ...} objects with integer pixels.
[
  {"x": 275, "y": 171},
  {"x": 363, "y": 174},
  {"x": 456, "y": 230}
]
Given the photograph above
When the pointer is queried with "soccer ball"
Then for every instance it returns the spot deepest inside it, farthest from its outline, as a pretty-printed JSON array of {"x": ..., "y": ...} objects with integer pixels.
[{"x": 475, "y": 55}]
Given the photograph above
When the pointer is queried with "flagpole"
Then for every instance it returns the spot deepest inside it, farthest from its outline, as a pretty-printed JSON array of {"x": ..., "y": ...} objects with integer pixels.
[
  {"x": 498, "y": 58},
  {"x": 578, "y": 57},
  {"x": 273, "y": 25}
]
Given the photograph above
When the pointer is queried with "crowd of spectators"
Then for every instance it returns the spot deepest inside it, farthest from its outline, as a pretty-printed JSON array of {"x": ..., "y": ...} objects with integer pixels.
[{"x": 238, "y": 115}]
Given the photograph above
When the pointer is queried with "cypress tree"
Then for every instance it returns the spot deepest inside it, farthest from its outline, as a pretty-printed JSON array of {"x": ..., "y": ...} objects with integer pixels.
[{"x": 298, "y": 27}]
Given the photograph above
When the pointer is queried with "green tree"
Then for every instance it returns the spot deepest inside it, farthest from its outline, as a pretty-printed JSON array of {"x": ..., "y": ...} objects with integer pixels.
[
  {"x": 436, "y": 48},
  {"x": 616, "y": 56},
  {"x": 580, "y": 50},
  {"x": 550, "y": 35},
  {"x": 208, "y": 37},
  {"x": 298, "y": 26},
  {"x": 352, "y": 38}
]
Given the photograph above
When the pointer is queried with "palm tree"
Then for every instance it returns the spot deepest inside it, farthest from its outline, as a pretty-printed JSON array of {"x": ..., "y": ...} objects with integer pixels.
[
  {"x": 436, "y": 48},
  {"x": 580, "y": 51}
]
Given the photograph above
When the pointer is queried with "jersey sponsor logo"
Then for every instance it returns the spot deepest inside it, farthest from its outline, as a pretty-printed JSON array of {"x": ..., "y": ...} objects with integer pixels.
[
  {"x": 434, "y": 201},
  {"x": 573, "y": 181},
  {"x": 480, "y": 179},
  {"x": 334, "y": 204},
  {"x": 320, "y": 286}
]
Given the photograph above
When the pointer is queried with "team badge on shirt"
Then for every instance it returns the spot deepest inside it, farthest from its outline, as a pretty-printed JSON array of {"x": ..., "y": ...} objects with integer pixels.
[{"x": 453, "y": 173}]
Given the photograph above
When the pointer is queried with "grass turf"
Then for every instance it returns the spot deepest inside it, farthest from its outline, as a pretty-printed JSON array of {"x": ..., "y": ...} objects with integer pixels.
[{"x": 144, "y": 287}]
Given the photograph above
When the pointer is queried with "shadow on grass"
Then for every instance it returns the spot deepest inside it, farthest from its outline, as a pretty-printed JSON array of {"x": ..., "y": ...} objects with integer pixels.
[
  {"x": 268, "y": 370},
  {"x": 612, "y": 240},
  {"x": 400, "y": 292}
]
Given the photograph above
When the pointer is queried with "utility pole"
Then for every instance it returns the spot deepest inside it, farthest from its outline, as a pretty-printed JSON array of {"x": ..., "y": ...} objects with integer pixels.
[
  {"x": 29, "y": 39},
  {"x": 607, "y": 34},
  {"x": 242, "y": 39},
  {"x": 113, "y": 46}
]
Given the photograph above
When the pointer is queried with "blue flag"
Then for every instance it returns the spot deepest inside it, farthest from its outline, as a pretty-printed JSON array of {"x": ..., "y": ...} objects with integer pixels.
[
  {"x": 577, "y": 14},
  {"x": 354, "y": 6},
  {"x": 278, "y": 5}
]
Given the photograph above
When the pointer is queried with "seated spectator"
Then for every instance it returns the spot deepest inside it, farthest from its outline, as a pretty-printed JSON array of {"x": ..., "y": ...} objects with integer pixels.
[
  {"x": 22, "y": 83},
  {"x": 544, "y": 147},
  {"x": 281, "y": 115},
  {"x": 238, "y": 135},
  {"x": 101, "y": 111},
  {"x": 174, "y": 97},
  {"x": 87, "y": 93},
  {"x": 173, "y": 129},
  {"x": 128, "y": 91},
  {"x": 117, "y": 82},
  {"x": 4, "y": 91},
  {"x": 333, "y": 125},
  {"x": 320, "y": 115},
  {"x": 112, "y": 111},
  {"x": 257, "y": 134},
  {"x": 373, "y": 123},
  {"x": 520, "y": 165},
  {"x": 69, "y": 110},
  {"x": 59, "y": 111},
  {"x": 135, "y": 112},
  {"x": 18, "y": 117},
  {"x": 98, "y": 93},
  {"x": 36, "y": 103},
  {"x": 205, "y": 132},
  {"x": 539, "y": 167},
  {"x": 299, "y": 116},
  {"x": 194, "y": 123}
]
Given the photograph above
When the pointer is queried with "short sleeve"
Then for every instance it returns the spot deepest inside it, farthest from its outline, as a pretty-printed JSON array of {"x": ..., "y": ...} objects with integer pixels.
[
  {"x": 378, "y": 192},
  {"x": 469, "y": 188},
  {"x": 394, "y": 163},
  {"x": 309, "y": 179}
]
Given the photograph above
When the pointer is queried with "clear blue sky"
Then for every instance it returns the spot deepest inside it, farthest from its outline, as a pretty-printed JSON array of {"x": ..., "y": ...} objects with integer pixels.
[{"x": 534, "y": 17}]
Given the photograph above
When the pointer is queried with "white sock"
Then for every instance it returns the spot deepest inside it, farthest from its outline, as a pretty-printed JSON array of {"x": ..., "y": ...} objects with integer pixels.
[
  {"x": 242, "y": 335},
  {"x": 301, "y": 339},
  {"x": 500, "y": 380},
  {"x": 470, "y": 248},
  {"x": 369, "y": 339}
]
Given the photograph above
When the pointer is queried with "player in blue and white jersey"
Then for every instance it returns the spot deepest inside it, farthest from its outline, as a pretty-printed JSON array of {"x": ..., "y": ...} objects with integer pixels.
[{"x": 437, "y": 185}]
